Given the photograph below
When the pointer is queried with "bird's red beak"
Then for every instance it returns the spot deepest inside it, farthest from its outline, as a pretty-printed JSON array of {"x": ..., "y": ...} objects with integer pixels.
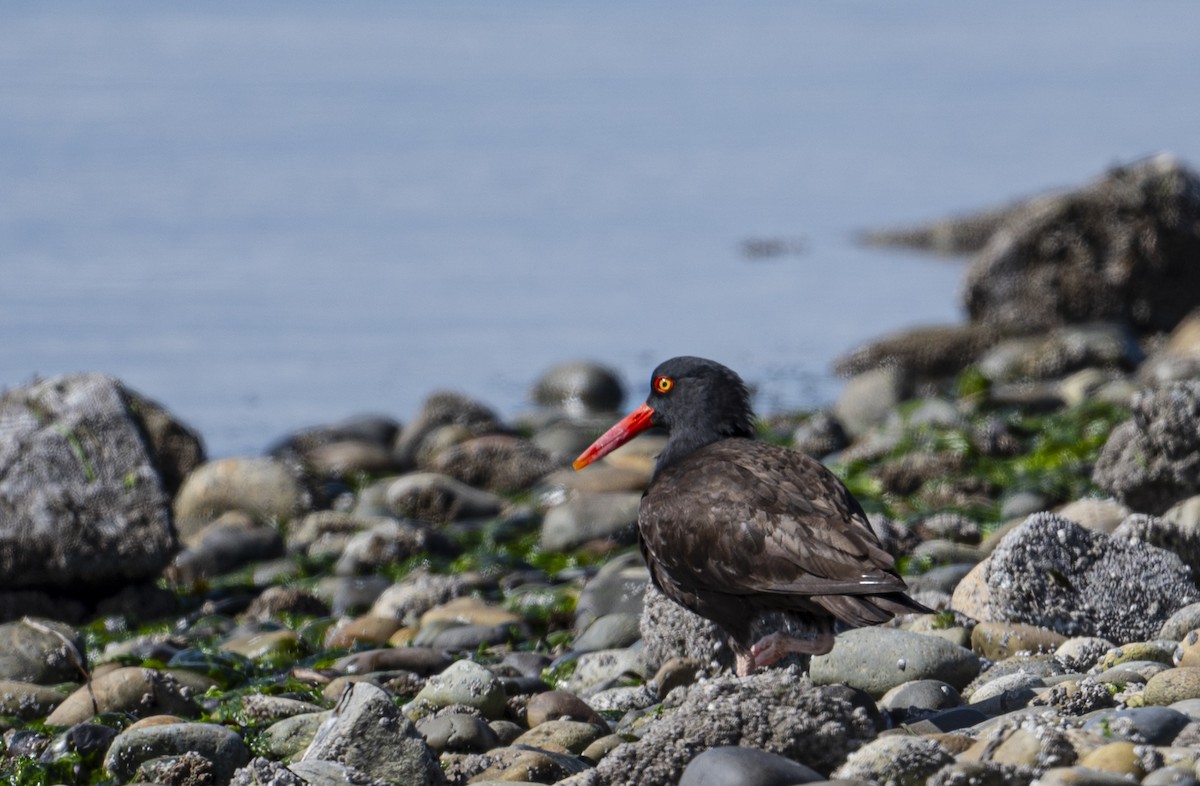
[{"x": 626, "y": 429}]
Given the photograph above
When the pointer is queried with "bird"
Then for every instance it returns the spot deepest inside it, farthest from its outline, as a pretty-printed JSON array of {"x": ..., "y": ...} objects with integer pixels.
[{"x": 733, "y": 528}]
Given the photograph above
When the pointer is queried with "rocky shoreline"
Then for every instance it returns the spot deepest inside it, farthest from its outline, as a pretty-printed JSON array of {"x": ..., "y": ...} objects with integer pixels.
[{"x": 444, "y": 601}]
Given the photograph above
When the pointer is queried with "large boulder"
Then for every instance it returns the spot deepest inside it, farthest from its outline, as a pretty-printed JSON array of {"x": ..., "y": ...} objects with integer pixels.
[
  {"x": 1153, "y": 460},
  {"x": 1055, "y": 574},
  {"x": 1125, "y": 248},
  {"x": 85, "y": 471}
]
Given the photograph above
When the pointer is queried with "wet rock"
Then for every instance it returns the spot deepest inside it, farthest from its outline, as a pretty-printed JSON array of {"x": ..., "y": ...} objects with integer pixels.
[
  {"x": 27, "y": 701},
  {"x": 1061, "y": 351},
  {"x": 998, "y": 641},
  {"x": 923, "y": 352},
  {"x": 563, "y": 735},
  {"x": 1153, "y": 460},
  {"x": 1171, "y": 686},
  {"x": 1052, "y": 573},
  {"x": 288, "y": 738},
  {"x": 916, "y": 698},
  {"x": 669, "y": 630},
  {"x": 609, "y": 632},
  {"x": 429, "y": 496},
  {"x": 776, "y": 711},
  {"x": 472, "y": 418},
  {"x": 868, "y": 398},
  {"x": 521, "y": 765},
  {"x": 41, "y": 651},
  {"x": 747, "y": 766},
  {"x": 1153, "y": 725},
  {"x": 458, "y": 732},
  {"x": 878, "y": 659},
  {"x": 819, "y": 435},
  {"x": 1102, "y": 515},
  {"x": 1178, "y": 358},
  {"x": 386, "y": 542},
  {"x": 84, "y": 503},
  {"x": 1118, "y": 249},
  {"x": 617, "y": 588},
  {"x": 263, "y": 488},
  {"x": 906, "y": 761},
  {"x": 377, "y": 430},
  {"x": 580, "y": 388},
  {"x": 351, "y": 594},
  {"x": 419, "y": 592},
  {"x": 560, "y": 705},
  {"x": 496, "y": 462},
  {"x": 1082, "y": 652},
  {"x": 216, "y": 744},
  {"x": 587, "y": 517},
  {"x": 369, "y": 733},
  {"x": 137, "y": 691},
  {"x": 468, "y": 684},
  {"x": 233, "y": 540},
  {"x": 275, "y": 601}
]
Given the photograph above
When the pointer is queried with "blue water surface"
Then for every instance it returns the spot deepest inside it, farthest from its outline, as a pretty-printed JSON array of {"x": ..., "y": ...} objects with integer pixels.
[{"x": 273, "y": 214}]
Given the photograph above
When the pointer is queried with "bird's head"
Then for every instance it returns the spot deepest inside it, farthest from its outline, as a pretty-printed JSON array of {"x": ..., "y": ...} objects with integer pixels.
[{"x": 697, "y": 401}]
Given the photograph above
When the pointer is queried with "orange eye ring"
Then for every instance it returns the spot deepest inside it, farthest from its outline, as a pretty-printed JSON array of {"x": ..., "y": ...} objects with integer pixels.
[{"x": 663, "y": 384}]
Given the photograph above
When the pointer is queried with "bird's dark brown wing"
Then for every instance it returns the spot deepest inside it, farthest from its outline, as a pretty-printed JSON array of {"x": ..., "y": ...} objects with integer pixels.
[{"x": 741, "y": 517}]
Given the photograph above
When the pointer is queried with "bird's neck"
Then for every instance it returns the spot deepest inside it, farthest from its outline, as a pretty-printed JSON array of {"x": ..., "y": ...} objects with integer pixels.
[{"x": 683, "y": 443}]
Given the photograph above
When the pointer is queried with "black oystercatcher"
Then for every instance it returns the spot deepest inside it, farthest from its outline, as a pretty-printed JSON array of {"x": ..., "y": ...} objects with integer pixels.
[{"x": 732, "y": 528}]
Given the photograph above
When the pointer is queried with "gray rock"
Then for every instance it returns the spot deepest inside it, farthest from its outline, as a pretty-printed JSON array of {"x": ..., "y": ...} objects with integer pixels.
[
  {"x": 1182, "y": 622},
  {"x": 819, "y": 435},
  {"x": 41, "y": 651},
  {"x": 609, "y": 632},
  {"x": 420, "y": 592},
  {"x": 1153, "y": 461},
  {"x": 878, "y": 659},
  {"x": 288, "y": 738},
  {"x": 580, "y": 388},
  {"x": 27, "y": 701},
  {"x": 350, "y": 594},
  {"x": 1062, "y": 350},
  {"x": 778, "y": 711},
  {"x": 1178, "y": 538},
  {"x": 1053, "y": 573},
  {"x": 369, "y": 733},
  {"x": 923, "y": 352},
  {"x": 261, "y": 772},
  {"x": 868, "y": 399},
  {"x": 264, "y": 488},
  {"x": 458, "y": 732},
  {"x": 902, "y": 760},
  {"x": 430, "y": 496},
  {"x": 232, "y": 541},
  {"x": 601, "y": 669},
  {"x": 496, "y": 462},
  {"x": 1152, "y": 725},
  {"x": 616, "y": 588},
  {"x": 1120, "y": 249},
  {"x": 217, "y": 744},
  {"x": 82, "y": 501},
  {"x": 441, "y": 409},
  {"x": 1080, "y": 653},
  {"x": 387, "y": 541},
  {"x": 586, "y": 517},
  {"x": 917, "y": 698},
  {"x": 746, "y": 766},
  {"x": 468, "y": 684},
  {"x": 137, "y": 691}
]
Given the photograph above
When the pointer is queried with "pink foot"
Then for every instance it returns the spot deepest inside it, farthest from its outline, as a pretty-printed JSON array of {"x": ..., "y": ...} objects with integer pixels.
[{"x": 772, "y": 648}]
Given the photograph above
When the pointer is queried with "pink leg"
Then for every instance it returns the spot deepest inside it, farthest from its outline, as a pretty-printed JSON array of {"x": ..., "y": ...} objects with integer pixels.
[{"x": 771, "y": 648}]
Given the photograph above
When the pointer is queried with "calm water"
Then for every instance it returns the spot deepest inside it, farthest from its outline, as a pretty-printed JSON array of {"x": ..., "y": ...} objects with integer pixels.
[{"x": 276, "y": 214}]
